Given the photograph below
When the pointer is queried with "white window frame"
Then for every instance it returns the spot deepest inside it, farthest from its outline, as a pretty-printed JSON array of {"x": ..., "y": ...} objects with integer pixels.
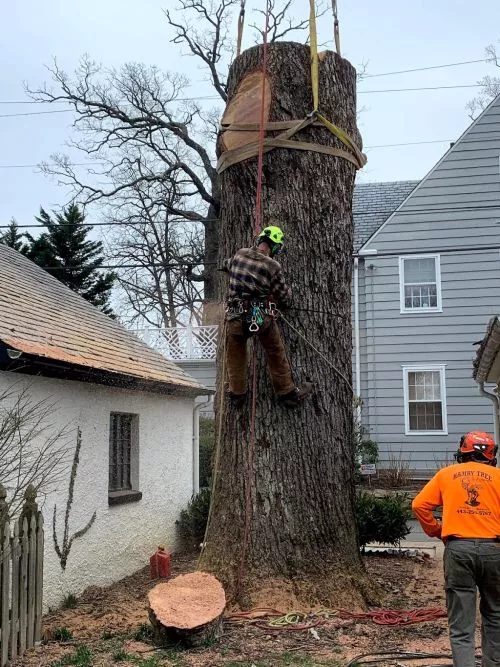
[
  {"x": 428, "y": 309},
  {"x": 442, "y": 380}
]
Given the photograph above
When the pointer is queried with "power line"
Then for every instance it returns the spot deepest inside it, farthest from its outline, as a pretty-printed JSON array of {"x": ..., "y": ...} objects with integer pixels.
[
  {"x": 405, "y": 90},
  {"x": 412, "y": 211},
  {"x": 423, "y": 69},
  {"x": 365, "y": 76},
  {"x": 409, "y": 143},
  {"x": 91, "y": 164},
  {"x": 214, "y": 97},
  {"x": 29, "y": 166},
  {"x": 365, "y": 148},
  {"x": 180, "y": 265},
  {"x": 34, "y": 113}
]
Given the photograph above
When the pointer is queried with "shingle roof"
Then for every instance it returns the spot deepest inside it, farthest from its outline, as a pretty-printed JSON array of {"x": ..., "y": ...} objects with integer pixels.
[
  {"x": 42, "y": 317},
  {"x": 373, "y": 203},
  {"x": 489, "y": 349}
]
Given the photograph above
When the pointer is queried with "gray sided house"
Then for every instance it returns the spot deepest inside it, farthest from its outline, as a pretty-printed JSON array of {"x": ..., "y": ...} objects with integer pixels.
[
  {"x": 426, "y": 279},
  {"x": 425, "y": 285}
]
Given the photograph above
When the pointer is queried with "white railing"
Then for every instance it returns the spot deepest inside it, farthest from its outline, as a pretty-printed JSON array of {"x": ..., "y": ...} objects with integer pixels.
[{"x": 178, "y": 343}]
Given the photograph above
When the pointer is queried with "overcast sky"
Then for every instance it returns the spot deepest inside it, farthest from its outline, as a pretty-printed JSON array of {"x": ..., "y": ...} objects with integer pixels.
[{"x": 388, "y": 34}]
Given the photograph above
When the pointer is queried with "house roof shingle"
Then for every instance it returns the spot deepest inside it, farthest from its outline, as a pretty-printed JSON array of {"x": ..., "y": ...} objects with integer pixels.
[
  {"x": 42, "y": 317},
  {"x": 373, "y": 203},
  {"x": 489, "y": 349}
]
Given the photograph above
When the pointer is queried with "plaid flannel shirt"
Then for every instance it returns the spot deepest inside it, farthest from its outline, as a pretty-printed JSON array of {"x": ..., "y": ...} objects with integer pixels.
[{"x": 253, "y": 273}]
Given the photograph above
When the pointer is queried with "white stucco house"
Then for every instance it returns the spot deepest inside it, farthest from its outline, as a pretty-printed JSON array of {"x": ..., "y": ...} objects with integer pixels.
[{"x": 137, "y": 415}]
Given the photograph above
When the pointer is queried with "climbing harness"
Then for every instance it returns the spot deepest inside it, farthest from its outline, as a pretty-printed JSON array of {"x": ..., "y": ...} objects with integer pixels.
[{"x": 252, "y": 311}]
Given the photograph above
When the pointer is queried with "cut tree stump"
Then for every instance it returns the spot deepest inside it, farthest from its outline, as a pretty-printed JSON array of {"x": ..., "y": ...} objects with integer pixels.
[{"x": 187, "y": 610}]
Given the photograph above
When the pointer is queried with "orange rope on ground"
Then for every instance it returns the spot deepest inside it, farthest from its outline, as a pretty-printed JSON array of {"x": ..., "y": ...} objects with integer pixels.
[{"x": 397, "y": 616}]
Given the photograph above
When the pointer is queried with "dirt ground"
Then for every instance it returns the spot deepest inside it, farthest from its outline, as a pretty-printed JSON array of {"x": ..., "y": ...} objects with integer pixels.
[{"x": 109, "y": 626}]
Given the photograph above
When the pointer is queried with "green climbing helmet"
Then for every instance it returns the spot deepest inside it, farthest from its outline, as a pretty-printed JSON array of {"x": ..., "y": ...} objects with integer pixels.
[{"x": 274, "y": 236}]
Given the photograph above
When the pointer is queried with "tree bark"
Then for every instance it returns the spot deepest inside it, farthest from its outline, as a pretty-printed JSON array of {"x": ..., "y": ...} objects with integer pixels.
[{"x": 302, "y": 532}]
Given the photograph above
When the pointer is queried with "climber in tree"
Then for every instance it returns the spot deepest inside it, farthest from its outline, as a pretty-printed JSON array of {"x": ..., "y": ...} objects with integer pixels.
[{"x": 256, "y": 289}]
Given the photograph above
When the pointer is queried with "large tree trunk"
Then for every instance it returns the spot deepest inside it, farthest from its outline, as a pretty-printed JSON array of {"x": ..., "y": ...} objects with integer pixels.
[{"x": 302, "y": 534}]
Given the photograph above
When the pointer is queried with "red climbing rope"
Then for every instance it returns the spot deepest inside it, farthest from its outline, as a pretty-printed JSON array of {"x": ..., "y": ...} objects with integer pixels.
[
  {"x": 397, "y": 616},
  {"x": 258, "y": 221},
  {"x": 260, "y": 157},
  {"x": 278, "y": 621}
]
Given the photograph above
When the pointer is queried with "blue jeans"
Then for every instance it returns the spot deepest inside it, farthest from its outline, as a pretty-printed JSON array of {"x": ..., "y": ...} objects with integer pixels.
[{"x": 469, "y": 566}]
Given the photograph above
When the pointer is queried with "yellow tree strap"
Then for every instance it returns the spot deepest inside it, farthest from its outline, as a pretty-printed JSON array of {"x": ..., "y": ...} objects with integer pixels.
[
  {"x": 344, "y": 138},
  {"x": 241, "y": 24},
  {"x": 313, "y": 36},
  {"x": 336, "y": 32},
  {"x": 272, "y": 126}
]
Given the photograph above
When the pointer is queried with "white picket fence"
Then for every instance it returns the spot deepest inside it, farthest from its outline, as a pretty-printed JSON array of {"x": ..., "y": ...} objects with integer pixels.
[{"x": 21, "y": 578}]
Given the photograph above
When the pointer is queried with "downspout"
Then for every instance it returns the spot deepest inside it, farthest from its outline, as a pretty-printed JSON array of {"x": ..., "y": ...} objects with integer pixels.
[
  {"x": 357, "y": 361},
  {"x": 196, "y": 443},
  {"x": 495, "y": 399}
]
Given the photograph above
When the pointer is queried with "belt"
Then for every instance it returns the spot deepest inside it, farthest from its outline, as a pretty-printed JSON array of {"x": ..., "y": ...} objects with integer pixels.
[{"x": 475, "y": 539}]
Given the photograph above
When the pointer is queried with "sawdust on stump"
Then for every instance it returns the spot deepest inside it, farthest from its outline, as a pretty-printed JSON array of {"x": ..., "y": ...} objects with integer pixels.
[{"x": 187, "y": 610}]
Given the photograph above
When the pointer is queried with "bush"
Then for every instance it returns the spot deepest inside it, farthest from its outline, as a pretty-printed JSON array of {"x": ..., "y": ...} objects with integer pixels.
[
  {"x": 193, "y": 520},
  {"x": 378, "y": 519},
  {"x": 207, "y": 437},
  {"x": 382, "y": 519}
]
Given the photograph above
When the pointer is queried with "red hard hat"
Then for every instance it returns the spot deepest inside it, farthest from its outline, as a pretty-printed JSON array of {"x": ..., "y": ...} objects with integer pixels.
[{"x": 478, "y": 442}]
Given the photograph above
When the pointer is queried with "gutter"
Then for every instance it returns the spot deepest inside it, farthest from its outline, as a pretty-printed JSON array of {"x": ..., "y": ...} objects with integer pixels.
[
  {"x": 196, "y": 443},
  {"x": 495, "y": 399},
  {"x": 357, "y": 361}
]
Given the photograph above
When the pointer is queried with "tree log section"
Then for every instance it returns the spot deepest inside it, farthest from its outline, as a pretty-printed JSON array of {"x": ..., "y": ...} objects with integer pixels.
[{"x": 187, "y": 610}]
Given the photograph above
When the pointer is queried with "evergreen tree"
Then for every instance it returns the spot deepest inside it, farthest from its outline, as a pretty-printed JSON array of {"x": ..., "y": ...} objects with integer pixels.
[
  {"x": 13, "y": 238},
  {"x": 65, "y": 252}
]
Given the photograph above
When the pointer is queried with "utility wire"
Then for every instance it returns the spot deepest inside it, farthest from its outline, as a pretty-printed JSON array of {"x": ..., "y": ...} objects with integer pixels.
[
  {"x": 423, "y": 69},
  {"x": 214, "y": 97},
  {"x": 356, "y": 211},
  {"x": 194, "y": 264},
  {"x": 365, "y": 148},
  {"x": 365, "y": 76},
  {"x": 91, "y": 164}
]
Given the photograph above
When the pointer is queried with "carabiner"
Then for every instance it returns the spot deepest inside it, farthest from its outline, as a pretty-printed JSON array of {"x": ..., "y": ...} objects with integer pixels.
[{"x": 254, "y": 327}]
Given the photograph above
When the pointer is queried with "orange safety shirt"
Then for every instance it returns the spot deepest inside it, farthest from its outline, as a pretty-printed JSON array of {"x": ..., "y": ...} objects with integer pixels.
[{"x": 469, "y": 494}]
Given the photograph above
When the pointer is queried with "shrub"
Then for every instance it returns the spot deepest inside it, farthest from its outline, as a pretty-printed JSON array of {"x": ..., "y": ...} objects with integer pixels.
[
  {"x": 382, "y": 519},
  {"x": 193, "y": 520},
  {"x": 63, "y": 635},
  {"x": 397, "y": 473},
  {"x": 378, "y": 519},
  {"x": 70, "y": 601}
]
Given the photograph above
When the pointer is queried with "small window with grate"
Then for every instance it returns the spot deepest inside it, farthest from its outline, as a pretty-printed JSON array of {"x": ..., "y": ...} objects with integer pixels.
[
  {"x": 420, "y": 284},
  {"x": 123, "y": 457}
]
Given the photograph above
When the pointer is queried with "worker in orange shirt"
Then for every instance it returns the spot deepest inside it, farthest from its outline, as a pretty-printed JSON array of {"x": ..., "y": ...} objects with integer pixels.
[{"x": 469, "y": 493}]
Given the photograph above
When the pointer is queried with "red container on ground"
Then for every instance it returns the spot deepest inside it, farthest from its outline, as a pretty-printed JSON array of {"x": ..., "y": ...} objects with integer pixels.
[{"x": 159, "y": 564}]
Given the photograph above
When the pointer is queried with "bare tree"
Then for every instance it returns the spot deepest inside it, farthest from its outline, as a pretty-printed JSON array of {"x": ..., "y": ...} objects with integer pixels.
[
  {"x": 155, "y": 251},
  {"x": 140, "y": 127},
  {"x": 32, "y": 449},
  {"x": 490, "y": 86}
]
